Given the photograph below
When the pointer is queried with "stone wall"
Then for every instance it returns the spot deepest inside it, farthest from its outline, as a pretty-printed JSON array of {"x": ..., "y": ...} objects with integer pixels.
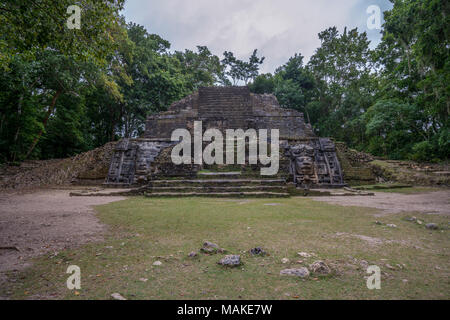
[
  {"x": 132, "y": 161},
  {"x": 228, "y": 108},
  {"x": 267, "y": 114}
]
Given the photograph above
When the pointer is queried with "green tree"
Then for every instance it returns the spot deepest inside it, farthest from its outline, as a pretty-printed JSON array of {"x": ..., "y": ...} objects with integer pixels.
[
  {"x": 346, "y": 85},
  {"x": 239, "y": 70},
  {"x": 30, "y": 26},
  {"x": 415, "y": 67},
  {"x": 201, "y": 68}
]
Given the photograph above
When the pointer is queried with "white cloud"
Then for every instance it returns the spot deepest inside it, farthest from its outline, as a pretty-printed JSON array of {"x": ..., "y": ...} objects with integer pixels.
[{"x": 277, "y": 28}]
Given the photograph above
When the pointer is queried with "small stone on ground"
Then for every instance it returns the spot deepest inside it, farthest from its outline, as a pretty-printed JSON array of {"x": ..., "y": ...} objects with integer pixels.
[
  {"x": 211, "y": 248},
  {"x": 300, "y": 272},
  {"x": 432, "y": 226},
  {"x": 304, "y": 254},
  {"x": 258, "y": 251},
  {"x": 231, "y": 261},
  {"x": 117, "y": 296},
  {"x": 320, "y": 267}
]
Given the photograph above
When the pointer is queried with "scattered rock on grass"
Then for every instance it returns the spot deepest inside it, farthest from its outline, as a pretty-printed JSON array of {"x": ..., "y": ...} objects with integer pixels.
[
  {"x": 304, "y": 254},
  {"x": 284, "y": 260},
  {"x": 258, "y": 251},
  {"x": 432, "y": 226},
  {"x": 211, "y": 248},
  {"x": 364, "y": 264},
  {"x": 300, "y": 272},
  {"x": 230, "y": 261},
  {"x": 320, "y": 267},
  {"x": 390, "y": 267},
  {"x": 193, "y": 254},
  {"x": 391, "y": 225},
  {"x": 117, "y": 296},
  {"x": 157, "y": 263}
]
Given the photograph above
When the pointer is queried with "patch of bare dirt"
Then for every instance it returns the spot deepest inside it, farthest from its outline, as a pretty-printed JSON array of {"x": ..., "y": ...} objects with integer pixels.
[
  {"x": 430, "y": 203},
  {"x": 37, "y": 222},
  {"x": 371, "y": 241}
]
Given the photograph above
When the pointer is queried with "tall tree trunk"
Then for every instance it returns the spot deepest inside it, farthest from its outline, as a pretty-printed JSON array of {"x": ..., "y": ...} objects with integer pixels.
[
  {"x": 16, "y": 136},
  {"x": 50, "y": 110}
]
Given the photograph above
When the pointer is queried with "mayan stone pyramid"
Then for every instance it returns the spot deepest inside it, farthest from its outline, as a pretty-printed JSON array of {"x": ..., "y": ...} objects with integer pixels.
[{"x": 305, "y": 160}]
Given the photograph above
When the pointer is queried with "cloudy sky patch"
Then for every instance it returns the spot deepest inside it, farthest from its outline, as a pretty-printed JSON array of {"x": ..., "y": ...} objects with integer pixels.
[{"x": 277, "y": 28}]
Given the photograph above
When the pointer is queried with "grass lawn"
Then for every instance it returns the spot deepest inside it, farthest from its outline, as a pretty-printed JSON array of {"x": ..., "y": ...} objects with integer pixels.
[{"x": 142, "y": 231}]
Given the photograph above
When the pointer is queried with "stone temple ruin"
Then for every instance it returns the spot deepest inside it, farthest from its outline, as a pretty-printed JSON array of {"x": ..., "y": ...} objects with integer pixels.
[{"x": 306, "y": 161}]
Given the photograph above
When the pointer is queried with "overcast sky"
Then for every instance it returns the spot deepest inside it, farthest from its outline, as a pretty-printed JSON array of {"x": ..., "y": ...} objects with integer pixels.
[{"x": 277, "y": 28}]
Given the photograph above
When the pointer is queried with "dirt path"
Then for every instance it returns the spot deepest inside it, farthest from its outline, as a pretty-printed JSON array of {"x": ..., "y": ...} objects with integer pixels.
[
  {"x": 45, "y": 221},
  {"x": 430, "y": 203}
]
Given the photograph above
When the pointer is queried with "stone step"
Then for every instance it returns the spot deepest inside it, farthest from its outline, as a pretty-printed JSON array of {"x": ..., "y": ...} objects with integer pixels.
[
  {"x": 223, "y": 101},
  {"x": 216, "y": 182},
  {"x": 230, "y": 100},
  {"x": 220, "y": 174},
  {"x": 220, "y": 195},
  {"x": 238, "y": 112},
  {"x": 221, "y": 94},
  {"x": 215, "y": 102},
  {"x": 227, "y": 109},
  {"x": 216, "y": 189}
]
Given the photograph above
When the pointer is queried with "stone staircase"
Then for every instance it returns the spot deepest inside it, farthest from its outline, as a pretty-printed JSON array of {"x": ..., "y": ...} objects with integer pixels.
[
  {"x": 219, "y": 184},
  {"x": 229, "y": 105}
]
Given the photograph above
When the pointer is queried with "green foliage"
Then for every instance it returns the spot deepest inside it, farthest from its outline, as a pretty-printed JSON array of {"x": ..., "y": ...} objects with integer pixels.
[
  {"x": 201, "y": 68},
  {"x": 263, "y": 83},
  {"x": 239, "y": 70},
  {"x": 415, "y": 67},
  {"x": 55, "y": 104},
  {"x": 29, "y": 26}
]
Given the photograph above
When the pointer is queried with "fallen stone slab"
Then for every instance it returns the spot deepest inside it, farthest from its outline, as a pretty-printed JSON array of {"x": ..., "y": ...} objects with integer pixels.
[
  {"x": 304, "y": 254},
  {"x": 300, "y": 272},
  {"x": 230, "y": 261}
]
